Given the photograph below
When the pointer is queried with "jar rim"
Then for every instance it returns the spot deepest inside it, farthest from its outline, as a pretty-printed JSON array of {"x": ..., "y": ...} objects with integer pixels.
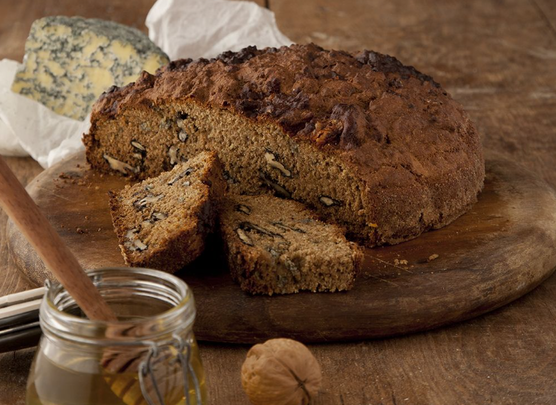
[{"x": 57, "y": 321}]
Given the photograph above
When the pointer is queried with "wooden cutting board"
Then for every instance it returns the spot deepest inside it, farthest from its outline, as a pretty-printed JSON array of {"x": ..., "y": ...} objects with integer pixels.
[{"x": 503, "y": 248}]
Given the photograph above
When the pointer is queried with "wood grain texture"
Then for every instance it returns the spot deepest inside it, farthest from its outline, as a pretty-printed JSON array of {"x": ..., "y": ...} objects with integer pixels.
[
  {"x": 547, "y": 11},
  {"x": 25, "y": 169},
  {"x": 498, "y": 60},
  {"x": 492, "y": 255}
]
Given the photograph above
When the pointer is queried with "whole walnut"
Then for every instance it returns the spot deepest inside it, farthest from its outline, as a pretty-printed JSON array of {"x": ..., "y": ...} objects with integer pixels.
[{"x": 281, "y": 372}]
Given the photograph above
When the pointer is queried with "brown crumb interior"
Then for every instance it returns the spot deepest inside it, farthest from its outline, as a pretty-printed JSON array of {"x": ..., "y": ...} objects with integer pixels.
[
  {"x": 276, "y": 246},
  {"x": 163, "y": 221},
  {"x": 256, "y": 158}
]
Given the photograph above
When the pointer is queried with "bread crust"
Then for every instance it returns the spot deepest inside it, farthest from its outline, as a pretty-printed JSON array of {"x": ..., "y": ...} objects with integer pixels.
[{"x": 414, "y": 149}]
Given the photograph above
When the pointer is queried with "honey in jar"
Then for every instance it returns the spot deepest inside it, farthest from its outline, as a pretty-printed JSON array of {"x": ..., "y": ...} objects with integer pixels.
[{"x": 149, "y": 356}]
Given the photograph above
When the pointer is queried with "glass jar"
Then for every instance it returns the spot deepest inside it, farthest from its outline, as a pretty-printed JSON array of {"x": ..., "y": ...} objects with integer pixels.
[{"x": 149, "y": 356}]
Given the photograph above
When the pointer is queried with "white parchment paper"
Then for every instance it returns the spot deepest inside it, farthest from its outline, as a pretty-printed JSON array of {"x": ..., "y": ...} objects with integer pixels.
[
  {"x": 182, "y": 28},
  {"x": 9, "y": 144},
  {"x": 206, "y": 28}
]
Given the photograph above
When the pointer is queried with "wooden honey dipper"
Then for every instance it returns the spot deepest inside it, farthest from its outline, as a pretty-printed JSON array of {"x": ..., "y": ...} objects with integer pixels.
[
  {"x": 26, "y": 215},
  {"x": 32, "y": 223}
]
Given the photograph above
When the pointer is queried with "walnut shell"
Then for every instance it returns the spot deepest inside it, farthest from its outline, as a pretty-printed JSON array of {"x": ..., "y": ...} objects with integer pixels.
[{"x": 281, "y": 372}]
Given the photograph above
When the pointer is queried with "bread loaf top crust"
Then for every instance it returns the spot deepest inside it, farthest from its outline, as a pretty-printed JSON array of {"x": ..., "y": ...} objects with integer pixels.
[{"x": 369, "y": 108}]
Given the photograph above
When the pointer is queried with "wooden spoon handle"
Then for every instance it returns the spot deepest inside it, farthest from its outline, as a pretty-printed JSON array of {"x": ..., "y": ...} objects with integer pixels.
[{"x": 54, "y": 253}]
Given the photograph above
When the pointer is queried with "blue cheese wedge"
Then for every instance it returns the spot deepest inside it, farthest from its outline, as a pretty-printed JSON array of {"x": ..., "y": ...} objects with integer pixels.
[{"x": 70, "y": 61}]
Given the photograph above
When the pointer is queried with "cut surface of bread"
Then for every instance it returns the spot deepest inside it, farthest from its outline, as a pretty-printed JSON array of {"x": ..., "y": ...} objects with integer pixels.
[
  {"x": 276, "y": 246},
  {"x": 365, "y": 141},
  {"x": 162, "y": 222}
]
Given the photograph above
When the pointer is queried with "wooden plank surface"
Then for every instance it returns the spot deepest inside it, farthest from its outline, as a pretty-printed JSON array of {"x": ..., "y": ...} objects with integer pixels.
[
  {"x": 496, "y": 57},
  {"x": 547, "y": 11}
]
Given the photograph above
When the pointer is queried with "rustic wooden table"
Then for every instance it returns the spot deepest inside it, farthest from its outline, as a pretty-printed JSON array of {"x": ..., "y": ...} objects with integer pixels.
[{"x": 498, "y": 58}]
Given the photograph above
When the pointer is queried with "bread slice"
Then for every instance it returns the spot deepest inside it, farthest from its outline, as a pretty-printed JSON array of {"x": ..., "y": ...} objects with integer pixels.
[
  {"x": 162, "y": 222},
  {"x": 276, "y": 246}
]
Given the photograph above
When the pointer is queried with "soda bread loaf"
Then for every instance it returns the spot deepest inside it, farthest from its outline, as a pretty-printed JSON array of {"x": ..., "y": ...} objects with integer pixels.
[
  {"x": 162, "y": 222},
  {"x": 367, "y": 142},
  {"x": 276, "y": 246}
]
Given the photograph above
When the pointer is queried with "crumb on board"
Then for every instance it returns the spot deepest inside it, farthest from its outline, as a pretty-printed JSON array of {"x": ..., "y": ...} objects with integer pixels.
[
  {"x": 81, "y": 230},
  {"x": 432, "y": 257},
  {"x": 401, "y": 262}
]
